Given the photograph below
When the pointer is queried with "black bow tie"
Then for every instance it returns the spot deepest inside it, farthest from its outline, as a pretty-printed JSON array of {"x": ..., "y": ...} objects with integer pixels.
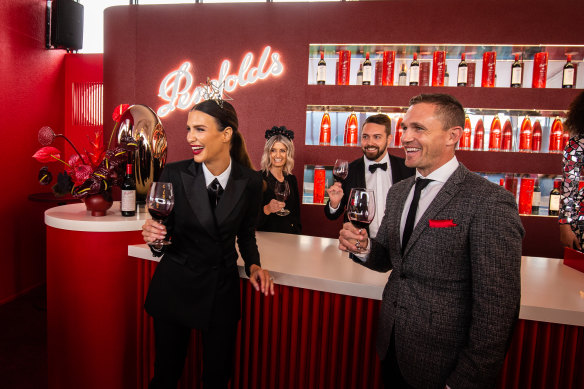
[{"x": 374, "y": 166}]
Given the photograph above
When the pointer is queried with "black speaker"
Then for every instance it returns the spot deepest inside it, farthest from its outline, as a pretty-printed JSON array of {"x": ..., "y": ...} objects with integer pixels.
[{"x": 67, "y": 24}]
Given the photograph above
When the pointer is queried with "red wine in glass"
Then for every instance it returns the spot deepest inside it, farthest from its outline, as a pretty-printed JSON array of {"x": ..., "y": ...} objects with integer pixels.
[
  {"x": 361, "y": 208},
  {"x": 281, "y": 193},
  {"x": 340, "y": 170},
  {"x": 160, "y": 203}
]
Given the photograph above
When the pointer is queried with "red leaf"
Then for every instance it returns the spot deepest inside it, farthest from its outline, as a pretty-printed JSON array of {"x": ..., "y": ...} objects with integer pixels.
[
  {"x": 47, "y": 154},
  {"x": 119, "y": 111}
]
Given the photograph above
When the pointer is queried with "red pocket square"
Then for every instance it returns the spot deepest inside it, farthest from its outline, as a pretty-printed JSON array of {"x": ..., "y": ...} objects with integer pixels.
[{"x": 442, "y": 223}]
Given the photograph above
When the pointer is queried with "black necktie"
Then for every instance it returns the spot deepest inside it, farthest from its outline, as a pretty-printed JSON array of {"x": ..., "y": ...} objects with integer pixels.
[
  {"x": 215, "y": 190},
  {"x": 374, "y": 166},
  {"x": 411, "y": 218}
]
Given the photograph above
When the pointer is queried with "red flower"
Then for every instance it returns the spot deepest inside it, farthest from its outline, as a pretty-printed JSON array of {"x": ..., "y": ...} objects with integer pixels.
[
  {"x": 97, "y": 150},
  {"x": 47, "y": 154},
  {"x": 119, "y": 111}
]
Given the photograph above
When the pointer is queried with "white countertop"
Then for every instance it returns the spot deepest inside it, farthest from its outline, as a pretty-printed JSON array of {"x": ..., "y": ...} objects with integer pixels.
[
  {"x": 75, "y": 217},
  {"x": 550, "y": 291}
]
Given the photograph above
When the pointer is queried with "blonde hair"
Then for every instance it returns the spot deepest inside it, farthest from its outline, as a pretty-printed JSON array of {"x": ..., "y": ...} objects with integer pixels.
[{"x": 266, "y": 163}]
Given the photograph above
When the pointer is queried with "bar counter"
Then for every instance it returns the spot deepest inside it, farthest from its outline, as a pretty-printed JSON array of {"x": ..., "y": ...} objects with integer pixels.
[{"x": 317, "y": 332}]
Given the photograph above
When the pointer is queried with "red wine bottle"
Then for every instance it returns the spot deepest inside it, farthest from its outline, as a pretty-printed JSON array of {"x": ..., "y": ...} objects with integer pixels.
[
  {"x": 516, "y": 73},
  {"x": 462, "y": 78},
  {"x": 367, "y": 70},
  {"x": 568, "y": 74},
  {"x": 321, "y": 70},
  {"x": 554, "y": 205},
  {"x": 415, "y": 71},
  {"x": 128, "y": 204},
  {"x": 403, "y": 76}
]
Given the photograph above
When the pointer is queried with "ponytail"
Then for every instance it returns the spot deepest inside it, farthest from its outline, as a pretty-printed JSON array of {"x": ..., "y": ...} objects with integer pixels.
[{"x": 238, "y": 150}]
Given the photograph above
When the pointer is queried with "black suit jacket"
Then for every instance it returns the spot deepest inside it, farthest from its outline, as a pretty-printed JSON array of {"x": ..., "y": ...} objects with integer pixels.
[
  {"x": 356, "y": 179},
  {"x": 197, "y": 277}
]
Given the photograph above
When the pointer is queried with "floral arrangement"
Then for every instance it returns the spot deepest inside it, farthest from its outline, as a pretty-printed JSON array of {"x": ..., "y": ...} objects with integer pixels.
[
  {"x": 279, "y": 131},
  {"x": 95, "y": 171}
]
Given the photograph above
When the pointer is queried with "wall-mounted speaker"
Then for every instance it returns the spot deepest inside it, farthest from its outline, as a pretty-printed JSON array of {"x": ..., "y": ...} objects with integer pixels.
[{"x": 66, "y": 24}]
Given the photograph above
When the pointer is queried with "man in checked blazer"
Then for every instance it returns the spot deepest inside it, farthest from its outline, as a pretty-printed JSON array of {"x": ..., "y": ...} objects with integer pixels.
[{"x": 453, "y": 295}]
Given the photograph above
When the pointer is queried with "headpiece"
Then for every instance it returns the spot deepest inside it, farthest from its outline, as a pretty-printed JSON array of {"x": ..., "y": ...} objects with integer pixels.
[
  {"x": 214, "y": 91},
  {"x": 279, "y": 131}
]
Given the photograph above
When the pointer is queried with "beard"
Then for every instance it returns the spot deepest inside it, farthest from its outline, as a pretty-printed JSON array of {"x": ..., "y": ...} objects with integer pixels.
[{"x": 374, "y": 152}]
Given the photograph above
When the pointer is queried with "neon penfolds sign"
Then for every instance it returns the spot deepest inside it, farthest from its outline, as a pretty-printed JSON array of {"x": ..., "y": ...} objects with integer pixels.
[{"x": 177, "y": 86}]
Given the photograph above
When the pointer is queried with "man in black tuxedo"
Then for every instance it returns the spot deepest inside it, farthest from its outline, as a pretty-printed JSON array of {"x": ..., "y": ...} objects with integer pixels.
[{"x": 371, "y": 171}]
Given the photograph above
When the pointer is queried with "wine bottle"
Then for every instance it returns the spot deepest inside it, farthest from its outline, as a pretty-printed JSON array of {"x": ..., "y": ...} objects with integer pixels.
[
  {"x": 128, "y": 203},
  {"x": 462, "y": 78},
  {"x": 526, "y": 135},
  {"x": 398, "y": 132},
  {"x": 464, "y": 143},
  {"x": 325, "y": 130},
  {"x": 415, "y": 71},
  {"x": 479, "y": 138},
  {"x": 554, "y": 206},
  {"x": 516, "y": 73},
  {"x": 568, "y": 74},
  {"x": 495, "y": 136},
  {"x": 446, "y": 76},
  {"x": 556, "y": 132},
  {"x": 507, "y": 136},
  {"x": 403, "y": 76},
  {"x": 537, "y": 133},
  {"x": 321, "y": 70},
  {"x": 367, "y": 70},
  {"x": 360, "y": 75},
  {"x": 536, "y": 199}
]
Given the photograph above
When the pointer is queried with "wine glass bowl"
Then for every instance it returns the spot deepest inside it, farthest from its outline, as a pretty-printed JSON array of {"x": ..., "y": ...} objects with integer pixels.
[
  {"x": 281, "y": 193},
  {"x": 361, "y": 208},
  {"x": 160, "y": 202},
  {"x": 340, "y": 170}
]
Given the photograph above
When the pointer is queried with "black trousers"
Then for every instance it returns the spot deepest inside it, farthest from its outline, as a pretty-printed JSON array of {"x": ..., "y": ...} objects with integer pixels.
[
  {"x": 171, "y": 343},
  {"x": 390, "y": 373}
]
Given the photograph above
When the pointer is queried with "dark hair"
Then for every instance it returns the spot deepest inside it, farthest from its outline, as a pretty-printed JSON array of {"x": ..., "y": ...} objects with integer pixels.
[
  {"x": 381, "y": 119},
  {"x": 447, "y": 107},
  {"x": 226, "y": 116},
  {"x": 575, "y": 119}
]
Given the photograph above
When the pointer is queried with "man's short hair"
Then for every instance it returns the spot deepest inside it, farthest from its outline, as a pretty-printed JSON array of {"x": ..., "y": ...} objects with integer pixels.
[
  {"x": 381, "y": 119},
  {"x": 448, "y": 108}
]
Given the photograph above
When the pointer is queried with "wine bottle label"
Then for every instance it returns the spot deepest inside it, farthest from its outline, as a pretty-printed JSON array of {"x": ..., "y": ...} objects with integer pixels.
[
  {"x": 536, "y": 198},
  {"x": 516, "y": 76},
  {"x": 568, "y": 77},
  {"x": 367, "y": 74},
  {"x": 359, "y": 78},
  {"x": 128, "y": 200},
  {"x": 402, "y": 81},
  {"x": 462, "y": 75},
  {"x": 415, "y": 74},
  {"x": 321, "y": 73},
  {"x": 554, "y": 203}
]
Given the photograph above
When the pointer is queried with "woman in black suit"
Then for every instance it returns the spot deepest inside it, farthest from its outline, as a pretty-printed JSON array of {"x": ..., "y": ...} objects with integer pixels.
[
  {"x": 196, "y": 283},
  {"x": 277, "y": 163}
]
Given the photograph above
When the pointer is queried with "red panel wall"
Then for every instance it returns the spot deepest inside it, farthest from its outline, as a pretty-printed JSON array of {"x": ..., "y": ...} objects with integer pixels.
[
  {"x": 144, "y": 43},
  {"x": 31, "y": 96}
]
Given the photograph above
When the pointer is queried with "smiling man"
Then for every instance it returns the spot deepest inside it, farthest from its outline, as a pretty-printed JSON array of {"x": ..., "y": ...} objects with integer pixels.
[
  {"x": 376, "y": 170},
  {"x": 452, "y": 241}
]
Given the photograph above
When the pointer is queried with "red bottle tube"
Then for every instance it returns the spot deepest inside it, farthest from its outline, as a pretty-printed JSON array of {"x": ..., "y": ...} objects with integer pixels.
[
  {"x": 507, "y": 136},
  {"x": 464, "y": 143},
  {"x": 556, "y": 133},
  {"x": 351, "y": 131},
  {"x": 398, "y": 132},
  {"x": 526, "y": 136},
  {"x": 325, "y": 130},
  {"x": 537, "y": 133},
  {"x": 479, "y": 137},
  {"x": 495, "y": 136}
]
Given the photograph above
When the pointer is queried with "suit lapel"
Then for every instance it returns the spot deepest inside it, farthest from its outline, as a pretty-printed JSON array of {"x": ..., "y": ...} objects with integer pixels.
[
  {"x": 194, "y": 183},
  {"x": 448, "y": 191},
  {"x": 232, "y": 194}
]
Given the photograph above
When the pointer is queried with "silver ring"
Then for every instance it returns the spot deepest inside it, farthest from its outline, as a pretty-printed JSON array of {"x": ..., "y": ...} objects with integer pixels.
[{"x": 358, "y": 244}]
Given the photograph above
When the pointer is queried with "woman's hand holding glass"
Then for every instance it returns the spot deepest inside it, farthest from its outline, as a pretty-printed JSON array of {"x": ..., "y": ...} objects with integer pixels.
[{"x": 273, "y": 206}]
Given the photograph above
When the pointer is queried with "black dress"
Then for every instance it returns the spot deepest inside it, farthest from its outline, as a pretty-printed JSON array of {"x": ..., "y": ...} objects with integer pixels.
[{"x": 289, "y": 224}]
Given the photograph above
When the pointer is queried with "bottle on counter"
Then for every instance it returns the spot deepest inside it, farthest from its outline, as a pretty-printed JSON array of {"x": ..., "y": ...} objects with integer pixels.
[
  {"x": 128, "y": 203},
  {"x": 568, "y": 73},
  {"x": 360, "y": 75},
  {"x": 415, "y": 71},
  {"x": 367, "y": 70},
  {"x": 321, "y": 70},
  {"x": 536, "y": 200},
  {"x": 403, "y": 76},
  {"x": 495, "y": 136},
  {"x": 516, "y": 73},
  {"x": 526, "y": 136},
  {"x": 536, "y": 141},
  {"x": 554, "y": 208},
  {"x": 507, "y": 136},
  {"x": 325, "y": 130},
  {"x": 462, "y": 77}
]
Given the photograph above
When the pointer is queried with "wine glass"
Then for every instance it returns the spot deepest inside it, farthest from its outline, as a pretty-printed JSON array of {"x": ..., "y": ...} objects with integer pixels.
[
  {"x": 160, "y": 202},
  {"x": 340, "y": 170},
  {"x": 361, "y": 208},
  {"x": 281, "y": 192}
]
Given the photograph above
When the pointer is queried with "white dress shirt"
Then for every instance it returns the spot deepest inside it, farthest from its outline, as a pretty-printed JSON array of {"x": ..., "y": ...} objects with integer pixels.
[{"x": 222, "y": 178}]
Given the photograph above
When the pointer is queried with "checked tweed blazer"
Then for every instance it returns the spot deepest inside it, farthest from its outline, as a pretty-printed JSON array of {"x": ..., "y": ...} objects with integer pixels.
[{"x": 453, "y": 297}]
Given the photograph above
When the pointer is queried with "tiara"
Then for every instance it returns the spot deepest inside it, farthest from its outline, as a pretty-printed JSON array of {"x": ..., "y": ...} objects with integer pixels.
[
  {"x": 279, "y": 131},
  {"x": 212, "y": 90}
]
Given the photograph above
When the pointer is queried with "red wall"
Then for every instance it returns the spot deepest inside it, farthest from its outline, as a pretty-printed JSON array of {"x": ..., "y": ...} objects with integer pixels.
[{"x": 31, "y": 96}]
